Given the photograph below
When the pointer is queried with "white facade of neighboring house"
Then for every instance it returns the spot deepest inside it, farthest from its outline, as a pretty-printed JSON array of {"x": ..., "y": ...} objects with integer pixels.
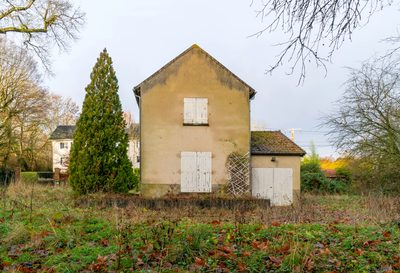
[
  {"x": 62, "y": 139},
  {"x": 61, "y": 148},
  {"x": 134, "y": 152}
]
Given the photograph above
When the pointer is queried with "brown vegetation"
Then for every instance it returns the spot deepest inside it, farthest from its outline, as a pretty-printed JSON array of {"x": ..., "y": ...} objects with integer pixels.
[{"x": 370, "y": 209}]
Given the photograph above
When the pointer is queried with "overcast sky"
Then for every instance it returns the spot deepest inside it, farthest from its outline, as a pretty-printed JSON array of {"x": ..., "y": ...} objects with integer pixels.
[{"x": 141, "y": 36}]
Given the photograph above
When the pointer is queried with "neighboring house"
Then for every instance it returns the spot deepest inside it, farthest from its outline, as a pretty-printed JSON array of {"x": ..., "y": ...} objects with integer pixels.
[
  {"x": 62, "y": 139},
  {"x": 194, "y": 118},
  {"x": 134, "y": 145}
]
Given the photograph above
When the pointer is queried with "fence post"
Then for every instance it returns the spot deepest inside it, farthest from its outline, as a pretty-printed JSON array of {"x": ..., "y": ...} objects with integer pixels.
[
  {"x": 56, "y": 176},
  {"x": 17, "y": 174}
]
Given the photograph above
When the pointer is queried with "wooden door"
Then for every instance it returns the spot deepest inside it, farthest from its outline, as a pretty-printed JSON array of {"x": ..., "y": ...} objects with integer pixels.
[
  {"x": 262, "y": 183},
  {"x": 275, "y": 184},
  {"x": 283, "y": 187}
]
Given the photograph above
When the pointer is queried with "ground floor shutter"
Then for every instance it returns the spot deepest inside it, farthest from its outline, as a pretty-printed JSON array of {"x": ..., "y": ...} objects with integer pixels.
[{"x": 196, "y": 172}]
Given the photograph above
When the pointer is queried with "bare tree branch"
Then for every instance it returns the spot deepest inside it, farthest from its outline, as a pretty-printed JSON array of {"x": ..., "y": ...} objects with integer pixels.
[
  {"x": 39, "y": 24},
  {"x": 367, "y": 121},
  {"x": 315, "y": 28}
]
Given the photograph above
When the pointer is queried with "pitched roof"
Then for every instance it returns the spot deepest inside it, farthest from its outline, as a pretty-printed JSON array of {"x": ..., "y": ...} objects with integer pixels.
[
  {"x": 273, "y": 143},
  {"x": 67, "y": 131},
  {"x": 136, "y": 89},
  {"x": 63, "y": 132}
]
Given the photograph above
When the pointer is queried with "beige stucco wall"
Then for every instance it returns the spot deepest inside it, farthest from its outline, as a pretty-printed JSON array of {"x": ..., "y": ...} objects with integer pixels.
[
  {"x": 293, "y": 162},
  {"x": 163, "y": 135}
]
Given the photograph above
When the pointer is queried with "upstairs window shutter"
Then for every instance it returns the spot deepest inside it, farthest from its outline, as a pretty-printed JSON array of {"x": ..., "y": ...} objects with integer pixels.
[
  {"x": 195, "y": 111},
  {"x": 189, "y": 110},
  {"x": 202, "y": 111}
]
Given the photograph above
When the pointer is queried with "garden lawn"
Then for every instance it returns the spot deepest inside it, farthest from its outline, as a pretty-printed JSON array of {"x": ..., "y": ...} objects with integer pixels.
[{"x": 56, "y": 236}]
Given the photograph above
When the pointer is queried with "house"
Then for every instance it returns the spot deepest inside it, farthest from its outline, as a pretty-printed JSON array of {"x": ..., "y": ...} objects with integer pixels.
[
  {"x": 194, "y": 112},
  {"x": 61, "y": 142},
  {"x": 195, "y": 131},
  {"x": 62, "y": 138}
]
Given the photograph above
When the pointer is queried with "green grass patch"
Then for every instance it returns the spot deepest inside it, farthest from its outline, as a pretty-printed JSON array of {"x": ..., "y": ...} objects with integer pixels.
[{"x": 29, "y": 177}]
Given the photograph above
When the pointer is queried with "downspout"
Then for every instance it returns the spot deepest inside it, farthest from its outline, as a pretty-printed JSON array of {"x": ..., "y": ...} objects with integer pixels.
[
  {"x": 251, "y": 97},
  {"x": 139, "y": 102},
  {"x": 250, "y": 180}
]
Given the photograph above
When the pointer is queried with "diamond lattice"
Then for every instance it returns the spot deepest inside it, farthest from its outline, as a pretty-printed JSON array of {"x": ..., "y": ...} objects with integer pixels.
[{"x": 238, "y": 167}]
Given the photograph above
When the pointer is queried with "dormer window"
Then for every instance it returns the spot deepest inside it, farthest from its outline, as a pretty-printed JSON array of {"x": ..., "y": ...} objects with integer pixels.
[{"x": 195, "y": 111}]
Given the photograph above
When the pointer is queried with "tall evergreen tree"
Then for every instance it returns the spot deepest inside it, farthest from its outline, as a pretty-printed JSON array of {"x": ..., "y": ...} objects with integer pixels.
[{"x": 98, "y": 159}]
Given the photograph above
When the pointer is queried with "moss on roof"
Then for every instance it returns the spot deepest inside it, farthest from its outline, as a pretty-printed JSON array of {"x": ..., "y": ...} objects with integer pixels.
[
  {"x": 67, "y": 132},
  {"x": 273, "y": 143},
  {"x": 63, "y": 132}
]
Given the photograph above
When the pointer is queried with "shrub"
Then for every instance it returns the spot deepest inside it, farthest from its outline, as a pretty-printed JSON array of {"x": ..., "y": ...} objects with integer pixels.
[
  {"x": 136, "y": 178},
  {"x": 344, "y": 174},
  {"x": 312, "y": 177},
  {"x": 314, "y": 180},
  {"x": 6, "y": 176},
  {"x": 337, "y": 186}
]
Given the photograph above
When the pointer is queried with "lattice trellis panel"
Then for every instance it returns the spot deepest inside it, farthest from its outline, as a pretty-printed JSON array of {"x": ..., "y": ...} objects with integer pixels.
[{"x": 238, "y": 167}]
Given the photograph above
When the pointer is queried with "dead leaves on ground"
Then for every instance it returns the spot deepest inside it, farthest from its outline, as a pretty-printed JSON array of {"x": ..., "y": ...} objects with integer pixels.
[{"x": 227, "y": 248}]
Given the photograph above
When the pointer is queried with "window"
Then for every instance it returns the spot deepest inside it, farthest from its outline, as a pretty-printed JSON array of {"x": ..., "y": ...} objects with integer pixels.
[
  {"x": 63, "y": 161},
  {"x": 195, "y": 111},
  {"x": 63, "y": 145}
]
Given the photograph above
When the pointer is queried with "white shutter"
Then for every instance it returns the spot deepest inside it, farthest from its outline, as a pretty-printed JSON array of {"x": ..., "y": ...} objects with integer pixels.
[
  {"x": 188, "y": 171},
  {"x": 196, "y": 172},
  {"x": 275, "y": 184},
  {"x": 189, "y": 109},
  {"x": 204, "y": 172},
  {"x": 201, "y": 111},
  {"x": 283, "y": 187}
]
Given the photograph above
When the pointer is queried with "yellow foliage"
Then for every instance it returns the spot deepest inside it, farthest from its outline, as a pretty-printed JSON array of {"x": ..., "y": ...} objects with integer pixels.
[{"x": 333, "y": 164}]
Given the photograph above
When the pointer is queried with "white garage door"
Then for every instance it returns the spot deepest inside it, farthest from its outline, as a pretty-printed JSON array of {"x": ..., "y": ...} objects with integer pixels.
[
  {"x": 195, "y": 172},
  {"x": 275, "y": 184}
]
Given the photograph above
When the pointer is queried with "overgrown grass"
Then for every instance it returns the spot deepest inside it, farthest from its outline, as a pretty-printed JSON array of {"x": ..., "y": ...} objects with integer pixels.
[{"x": 324, "y": 234}]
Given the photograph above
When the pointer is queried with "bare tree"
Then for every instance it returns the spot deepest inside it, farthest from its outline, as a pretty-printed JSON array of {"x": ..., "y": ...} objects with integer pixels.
[
  {"x": 41, "y": 23},
  {"x": 28, "y": 113},
  {"x": 315, "y": 29},
  {"x": 366, "y": 124},
  {"x": 368, "y": 119},
  {"x": 61, "y": 111},
  {"x": 18, "y": 73}
]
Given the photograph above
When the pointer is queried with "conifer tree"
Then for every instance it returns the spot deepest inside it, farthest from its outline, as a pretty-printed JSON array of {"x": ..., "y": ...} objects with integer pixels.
[{"x": 98, "y": 159}]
